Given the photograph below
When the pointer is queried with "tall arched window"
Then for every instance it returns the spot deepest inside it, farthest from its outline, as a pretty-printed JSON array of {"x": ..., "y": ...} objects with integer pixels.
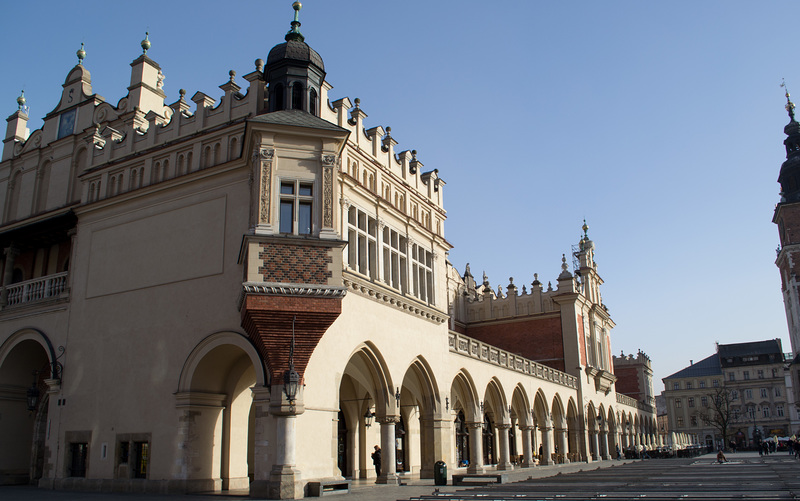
[
  {"x": 297, "y": 96},
  {"x": 312, "y": 102}
]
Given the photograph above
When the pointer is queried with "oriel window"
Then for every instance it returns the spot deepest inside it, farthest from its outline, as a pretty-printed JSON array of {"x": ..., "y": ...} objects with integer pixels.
[{"x": 296, "y": 211}]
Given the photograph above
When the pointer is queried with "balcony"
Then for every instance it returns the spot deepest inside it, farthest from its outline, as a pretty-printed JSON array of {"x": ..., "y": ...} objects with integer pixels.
[{"x": 34, "y": 291}]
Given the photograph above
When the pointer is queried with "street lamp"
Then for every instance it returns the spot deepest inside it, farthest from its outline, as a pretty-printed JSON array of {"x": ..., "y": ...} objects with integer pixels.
[
  {"x": 368, "y": 417},
  {"x": 291, "y": 379},
  {"x": 33, "y": 393}
]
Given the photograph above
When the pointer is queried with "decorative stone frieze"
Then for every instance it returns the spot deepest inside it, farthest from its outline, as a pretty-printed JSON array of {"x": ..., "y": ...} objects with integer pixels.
[{"x": 382, "y": 295}]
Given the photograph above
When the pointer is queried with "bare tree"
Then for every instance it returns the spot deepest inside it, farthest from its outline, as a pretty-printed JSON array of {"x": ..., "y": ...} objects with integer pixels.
[{"x": 718, "y": 412}]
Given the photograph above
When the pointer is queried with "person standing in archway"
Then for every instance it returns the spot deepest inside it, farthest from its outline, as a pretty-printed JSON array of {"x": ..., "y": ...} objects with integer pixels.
[{"x": 376, "y": 460}]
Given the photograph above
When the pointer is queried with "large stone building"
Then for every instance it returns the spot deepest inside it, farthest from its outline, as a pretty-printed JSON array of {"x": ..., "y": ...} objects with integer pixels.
[
  {"x": 744, "y": 384},
  {"x": 254, "y": 291}
]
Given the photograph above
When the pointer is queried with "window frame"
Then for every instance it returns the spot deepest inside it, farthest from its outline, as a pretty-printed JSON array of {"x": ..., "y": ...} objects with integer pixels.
[{"x": 296, "y": 200}]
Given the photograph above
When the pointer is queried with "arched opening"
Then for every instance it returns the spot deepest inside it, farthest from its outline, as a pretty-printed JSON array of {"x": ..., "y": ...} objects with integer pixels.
[
  {"x": 489, "y": 456},
  {"x": 418, "y": 400},
  {"x": 573, "y": 432},
  {"x": 312, "y": 102},
  {"x": 24, "y": 366},
  {"x": 543, "y": 435},
  {"x": 561, "y": 445},
  {"x": 341, "y": 443},
  {"x": 217, "y": 420},
  {"x": 367, "y": 408},
  {"x": 467, "y": 423}
]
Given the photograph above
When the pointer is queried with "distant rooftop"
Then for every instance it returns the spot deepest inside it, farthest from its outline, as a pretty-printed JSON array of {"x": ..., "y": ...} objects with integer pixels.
[
  {"x": 769, "y": 347},
  {"x": 706, "y": 367}
]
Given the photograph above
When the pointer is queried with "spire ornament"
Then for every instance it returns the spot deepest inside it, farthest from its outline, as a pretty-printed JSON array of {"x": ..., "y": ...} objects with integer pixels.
[
  {"x": 789, "y": 104},
  {"x": 294, "y": 33},
  {"x": 81, "y": 54},
  {"x": 146, "y": 42},
  {"x": 21, "y": 102}
]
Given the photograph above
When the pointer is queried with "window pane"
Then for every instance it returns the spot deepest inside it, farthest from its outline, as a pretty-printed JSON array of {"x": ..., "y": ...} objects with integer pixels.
[
  {"x": 305, "y": 190},
  {"x": 287, "y": 215},
  {"x": 287, "y": 188},
  {"x": 304, "y": 219}
]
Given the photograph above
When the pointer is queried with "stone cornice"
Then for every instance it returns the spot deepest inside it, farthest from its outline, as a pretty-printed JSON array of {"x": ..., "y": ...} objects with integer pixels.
[
  {"x": 281, "y": 289},
  {"x": 382, "y": 295}
]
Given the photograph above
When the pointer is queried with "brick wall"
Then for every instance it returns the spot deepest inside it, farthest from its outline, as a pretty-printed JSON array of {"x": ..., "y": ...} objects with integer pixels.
[
  {"x": 538, "y": 339},
  {"x": 628, "y": 381},
  {"x": 293, "y": 263}
]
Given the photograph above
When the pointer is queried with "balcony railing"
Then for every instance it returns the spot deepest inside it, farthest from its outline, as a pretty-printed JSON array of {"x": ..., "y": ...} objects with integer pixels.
[{"x": 38, "y": 289}]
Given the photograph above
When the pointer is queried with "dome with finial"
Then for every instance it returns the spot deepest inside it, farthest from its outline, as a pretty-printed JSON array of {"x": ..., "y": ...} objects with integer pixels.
[
  {"x": 789, "y": 177},
  {"x": 21, "y": 100},
  {"x": 295, "y": 47}
]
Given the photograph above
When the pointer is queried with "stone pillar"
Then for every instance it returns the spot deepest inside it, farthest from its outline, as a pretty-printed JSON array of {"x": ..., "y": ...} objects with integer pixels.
[
  {"x": 11, "y": 254},
  {"x": 527, "y": 450},
  {"x": 475, "y": 448},
  {"x": 563, "y": 444},
  {"x": 196, "y": 468},
  {"x": 437, "y": 445},
  {"x": 504, "y": 462},
  {"x": 596, "y": 445},
  {"x": 284, "y": 479},
  {"x": 388, "y": 460},
  {"x": 604, "y": 444},
  {"x": 547, "y": 450},
  {"x": 261, "y": 444}
]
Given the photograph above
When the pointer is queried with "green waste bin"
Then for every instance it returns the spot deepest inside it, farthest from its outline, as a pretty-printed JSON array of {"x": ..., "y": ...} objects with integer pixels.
[{"x": 440, "y": 473}]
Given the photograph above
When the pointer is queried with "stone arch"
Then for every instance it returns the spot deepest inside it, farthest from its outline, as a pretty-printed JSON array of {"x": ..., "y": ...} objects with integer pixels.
[
  {"x": 574, "y": 431},
  {"x": 217, "y": 412},
  {"x": 365, "y": 383},
  {"x": 27, "y": 361},
  {"x": 614, "y": 445},
  {"x": 521, "y": 426},
  {"x": 543, "y": 444},
  {"x": 466, "y": 415},
  {"x": 559, "y": 415},
  {"x": 495, "y": 419},
  {"x": 419, "y": 403}
]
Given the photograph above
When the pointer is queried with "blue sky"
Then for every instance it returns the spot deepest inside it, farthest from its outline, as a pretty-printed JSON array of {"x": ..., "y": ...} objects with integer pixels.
[{"x": 661, "y": 123}]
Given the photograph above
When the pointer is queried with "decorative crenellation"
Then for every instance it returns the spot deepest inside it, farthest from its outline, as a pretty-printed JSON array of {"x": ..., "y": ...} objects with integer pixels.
[
  {"x": 467, "y": 346},
  {"x": 382, "y": 295}
]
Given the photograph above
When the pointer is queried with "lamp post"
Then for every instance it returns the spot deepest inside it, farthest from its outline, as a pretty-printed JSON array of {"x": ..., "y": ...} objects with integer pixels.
[{"x": 291, "y": 379}]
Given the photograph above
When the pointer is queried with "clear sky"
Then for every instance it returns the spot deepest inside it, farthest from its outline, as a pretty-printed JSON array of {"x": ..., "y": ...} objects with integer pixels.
[{"x": 661, "y": 123}]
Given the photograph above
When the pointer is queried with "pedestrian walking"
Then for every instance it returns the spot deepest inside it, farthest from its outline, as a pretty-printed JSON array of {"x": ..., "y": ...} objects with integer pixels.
[{"x": 376, "y": 460}]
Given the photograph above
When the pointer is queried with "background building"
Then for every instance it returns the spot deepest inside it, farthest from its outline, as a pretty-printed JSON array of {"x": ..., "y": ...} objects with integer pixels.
[
  {"x": 254, "y": 291},
  {"x": 741, "y": 387}
]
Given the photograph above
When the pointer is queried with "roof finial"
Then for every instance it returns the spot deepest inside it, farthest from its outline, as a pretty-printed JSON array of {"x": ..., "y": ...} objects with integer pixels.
[
  {"x": 585, "y": 229},
  {"x": 146, "y": 42},
  {"x": 21, "y": 101},
  {"x": 789, "y": 103},
  {"x": 81, "y": 54},
  {"x": 294, "y": 33}
]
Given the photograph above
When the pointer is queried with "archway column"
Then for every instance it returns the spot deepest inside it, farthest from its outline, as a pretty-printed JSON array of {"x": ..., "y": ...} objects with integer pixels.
[
  {"x": 596, "y": 444},
  {"x": 284, "y": 478},
  {"x": 527, "y": 450},
  {"x": 261, "y": 448},
  {"x": 546, "y": 447},
  {"x": 563, "y": 444},
  {"x": 604, "y": 444},
  {"x": 388, "y": 456},
  {"x": 504, "y": 461},
  {"x": 198, "y": 424},
  {"x": 475, "y": 447},
  {"x": 437, "y": 432}
]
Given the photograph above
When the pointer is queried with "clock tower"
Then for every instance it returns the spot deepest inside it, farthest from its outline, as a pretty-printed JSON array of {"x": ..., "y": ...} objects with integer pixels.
[{"x": 787, "y": 217}]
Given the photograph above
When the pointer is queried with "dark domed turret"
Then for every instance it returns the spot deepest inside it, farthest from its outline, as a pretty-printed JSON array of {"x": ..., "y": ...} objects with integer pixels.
[{"x": 294, "y": 72}]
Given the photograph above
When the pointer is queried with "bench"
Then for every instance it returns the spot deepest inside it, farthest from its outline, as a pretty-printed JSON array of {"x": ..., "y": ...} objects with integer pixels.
[
  {"x": 480, "y": 478},
  {"x": 323, "y": 487}
]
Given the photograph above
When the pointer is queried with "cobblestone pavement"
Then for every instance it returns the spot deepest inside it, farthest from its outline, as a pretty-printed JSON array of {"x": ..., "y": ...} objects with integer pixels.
[{"x": 746, "y": 476}]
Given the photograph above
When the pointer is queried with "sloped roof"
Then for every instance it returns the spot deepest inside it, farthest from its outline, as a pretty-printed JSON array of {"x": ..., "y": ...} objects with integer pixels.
[
  {"x": 750, "y": 349},
  {"x": 707, "y": 367},
  {"x": 297, "y": 118}
]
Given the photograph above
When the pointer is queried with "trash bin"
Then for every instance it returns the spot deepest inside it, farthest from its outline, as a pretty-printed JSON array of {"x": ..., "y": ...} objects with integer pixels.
[{"x": 440, "y": 473}]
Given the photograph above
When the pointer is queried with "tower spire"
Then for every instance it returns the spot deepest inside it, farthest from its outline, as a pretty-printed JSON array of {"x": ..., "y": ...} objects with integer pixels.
[
  {"x": 294, "y": 33},
  {"x": 789, "y": 103}
]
